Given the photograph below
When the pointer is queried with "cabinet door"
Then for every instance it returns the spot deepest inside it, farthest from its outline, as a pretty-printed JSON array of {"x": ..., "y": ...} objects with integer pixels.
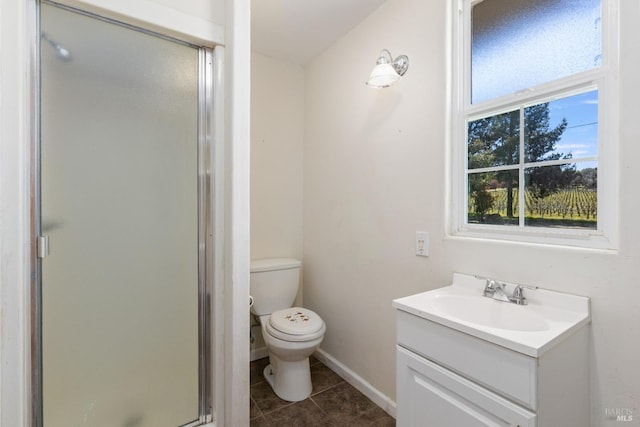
[{"x": 430, "y": 395}]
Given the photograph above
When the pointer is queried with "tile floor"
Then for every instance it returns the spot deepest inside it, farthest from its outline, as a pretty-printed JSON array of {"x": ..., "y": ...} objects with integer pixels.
[{"x": 333, "y": 403}]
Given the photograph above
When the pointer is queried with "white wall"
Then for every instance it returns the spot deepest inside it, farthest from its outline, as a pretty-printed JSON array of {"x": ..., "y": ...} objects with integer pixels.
[
  {"x": 375, "y": 171},
  {"x": 277, "y": 132},
  {"x": 14, "y": 135}
]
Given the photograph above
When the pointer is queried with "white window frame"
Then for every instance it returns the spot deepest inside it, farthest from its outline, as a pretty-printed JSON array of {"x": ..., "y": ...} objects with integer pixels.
[{"x": 604, "y": 79}]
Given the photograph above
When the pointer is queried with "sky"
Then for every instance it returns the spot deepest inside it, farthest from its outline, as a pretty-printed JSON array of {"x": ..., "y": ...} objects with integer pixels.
[{"x": 581, "y": 135}]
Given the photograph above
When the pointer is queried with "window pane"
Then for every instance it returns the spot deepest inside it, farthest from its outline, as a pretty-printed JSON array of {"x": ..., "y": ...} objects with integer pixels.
[
  {"x": 562, "y": 196},
  {"x": 494, "y": 141},
  {"x": 517, "y": 44},
  {"x": 493, "y": 198},
  {"x": 566, "y": 128}
]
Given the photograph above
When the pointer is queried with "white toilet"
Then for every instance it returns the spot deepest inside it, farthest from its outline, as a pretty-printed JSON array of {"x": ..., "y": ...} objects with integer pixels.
[{"x": 291, "y": 334}]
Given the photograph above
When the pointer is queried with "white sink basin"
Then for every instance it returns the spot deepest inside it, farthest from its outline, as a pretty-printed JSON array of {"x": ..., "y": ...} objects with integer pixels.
[
  {"x": 532, "y": 329},
  {"x": 489, "y": 312}
]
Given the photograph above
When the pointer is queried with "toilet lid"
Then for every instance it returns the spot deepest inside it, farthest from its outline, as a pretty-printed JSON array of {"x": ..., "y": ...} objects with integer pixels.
[{"x": 296, "y": 321}]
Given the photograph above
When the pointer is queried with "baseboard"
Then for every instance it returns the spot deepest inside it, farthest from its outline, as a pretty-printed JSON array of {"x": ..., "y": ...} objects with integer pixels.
[
  {"x": 258, "y": 353},
  {"x": 363, "y": 386}
]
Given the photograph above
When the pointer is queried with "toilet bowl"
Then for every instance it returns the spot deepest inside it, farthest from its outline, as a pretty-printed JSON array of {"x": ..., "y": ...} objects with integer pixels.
[
  {"x": 288, "y": 372},
  {"x": 291, "y": 334}
]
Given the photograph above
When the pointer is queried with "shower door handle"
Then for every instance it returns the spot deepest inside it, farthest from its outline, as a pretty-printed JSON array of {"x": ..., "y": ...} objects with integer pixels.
[{"x": 43, "y": 246}]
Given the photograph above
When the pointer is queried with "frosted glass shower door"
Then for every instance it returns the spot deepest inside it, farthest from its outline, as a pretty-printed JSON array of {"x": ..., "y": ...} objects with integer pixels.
[{"x": 119, "y": 202}]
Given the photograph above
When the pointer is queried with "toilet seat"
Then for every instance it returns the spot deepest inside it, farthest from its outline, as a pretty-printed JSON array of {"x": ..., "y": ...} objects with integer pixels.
[{"x": 295, "y": 324}]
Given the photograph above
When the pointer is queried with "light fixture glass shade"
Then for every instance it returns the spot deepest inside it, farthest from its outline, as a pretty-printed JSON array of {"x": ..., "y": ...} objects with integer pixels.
[
  {"x": 382, "y": 75},
  {"x": 387, "y": 70}
]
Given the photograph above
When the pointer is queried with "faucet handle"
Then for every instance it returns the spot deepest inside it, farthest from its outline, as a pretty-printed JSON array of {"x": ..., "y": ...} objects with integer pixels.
[
  {"x": 490, "y": 287},
  {"x": 518, "y": 296}
]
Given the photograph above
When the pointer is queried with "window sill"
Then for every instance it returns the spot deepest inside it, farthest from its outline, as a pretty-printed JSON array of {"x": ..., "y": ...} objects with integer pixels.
[{"x": 580, "y": 240}]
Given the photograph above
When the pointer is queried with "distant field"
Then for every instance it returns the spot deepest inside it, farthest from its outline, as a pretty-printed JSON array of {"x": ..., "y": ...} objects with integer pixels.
[{"x": 575, "y": 207}]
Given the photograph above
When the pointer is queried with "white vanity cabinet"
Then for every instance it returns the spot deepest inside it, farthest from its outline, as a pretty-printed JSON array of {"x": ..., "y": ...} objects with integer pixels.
[
  {"x": 431, "y": 395},
  {"x": 448, "y": 375}
]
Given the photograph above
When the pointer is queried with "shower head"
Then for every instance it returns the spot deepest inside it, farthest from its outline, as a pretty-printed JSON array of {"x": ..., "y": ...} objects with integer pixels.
[{"x": 61, "y": 52}]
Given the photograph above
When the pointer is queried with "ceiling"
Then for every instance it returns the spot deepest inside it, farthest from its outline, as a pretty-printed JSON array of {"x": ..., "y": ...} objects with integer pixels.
[{"x": 298, "y": 30}]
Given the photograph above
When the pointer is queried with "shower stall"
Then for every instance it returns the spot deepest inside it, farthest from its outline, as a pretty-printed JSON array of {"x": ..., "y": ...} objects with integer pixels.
[{"x": 123, "y": 217}]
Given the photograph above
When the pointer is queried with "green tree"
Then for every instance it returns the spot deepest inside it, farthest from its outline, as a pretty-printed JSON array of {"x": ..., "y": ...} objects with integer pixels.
[
  {"x": 590, "y": 177},
  {"x": 482, "y": 198},
  {"x": 540, "y": 142},
  {"x": 495, "y": 141}
]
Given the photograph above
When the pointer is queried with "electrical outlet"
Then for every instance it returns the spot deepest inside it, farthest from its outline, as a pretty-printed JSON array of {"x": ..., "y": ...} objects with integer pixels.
[{"x": 422, "y": 243}]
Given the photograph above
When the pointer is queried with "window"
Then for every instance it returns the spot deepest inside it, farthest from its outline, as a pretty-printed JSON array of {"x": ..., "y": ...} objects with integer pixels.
[{"x": 535, "y": 121}]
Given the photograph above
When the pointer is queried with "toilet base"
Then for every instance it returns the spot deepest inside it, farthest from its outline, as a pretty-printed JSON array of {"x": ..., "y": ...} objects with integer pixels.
[{"x": 291, "y": 381}]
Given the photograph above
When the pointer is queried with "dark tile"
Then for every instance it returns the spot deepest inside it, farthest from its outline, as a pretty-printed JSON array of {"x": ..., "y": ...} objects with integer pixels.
[
  {"x": 255, "y": 370},
  {"x": 343, "y": 403},
  {"x": 304, "y": 413},
  {"x": 265, "y": 399},
  {"x": 387, "y": 421},
  {"x": 334, "y": 402},
  {"x": 254, "y": 411},
  {"x": 374, "y": 418},
  {"x": 261, "y": 421},
  {"x": 323, "y": 378}
]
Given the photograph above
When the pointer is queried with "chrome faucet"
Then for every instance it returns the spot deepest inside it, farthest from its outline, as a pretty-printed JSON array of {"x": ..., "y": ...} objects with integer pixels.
[{"x": 496, "y": 290}]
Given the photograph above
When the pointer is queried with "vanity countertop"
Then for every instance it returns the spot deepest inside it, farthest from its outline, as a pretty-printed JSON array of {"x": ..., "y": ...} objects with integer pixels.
[{"x": 548, "y": 318}]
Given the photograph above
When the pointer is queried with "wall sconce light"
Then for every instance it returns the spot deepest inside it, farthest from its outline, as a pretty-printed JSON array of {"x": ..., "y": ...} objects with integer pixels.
[{"x": 387, "y": 70}]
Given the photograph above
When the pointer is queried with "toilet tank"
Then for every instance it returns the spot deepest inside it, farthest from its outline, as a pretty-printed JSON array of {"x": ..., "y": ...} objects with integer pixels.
[{"x": 274, "y": 284}]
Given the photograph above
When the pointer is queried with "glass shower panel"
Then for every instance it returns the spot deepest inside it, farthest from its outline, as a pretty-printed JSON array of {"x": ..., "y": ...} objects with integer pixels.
[{"x": 119, "y": 201}]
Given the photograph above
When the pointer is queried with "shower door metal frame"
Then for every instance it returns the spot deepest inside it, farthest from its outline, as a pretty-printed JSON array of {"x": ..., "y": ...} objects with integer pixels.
[{"x": 206, "y": 244}]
